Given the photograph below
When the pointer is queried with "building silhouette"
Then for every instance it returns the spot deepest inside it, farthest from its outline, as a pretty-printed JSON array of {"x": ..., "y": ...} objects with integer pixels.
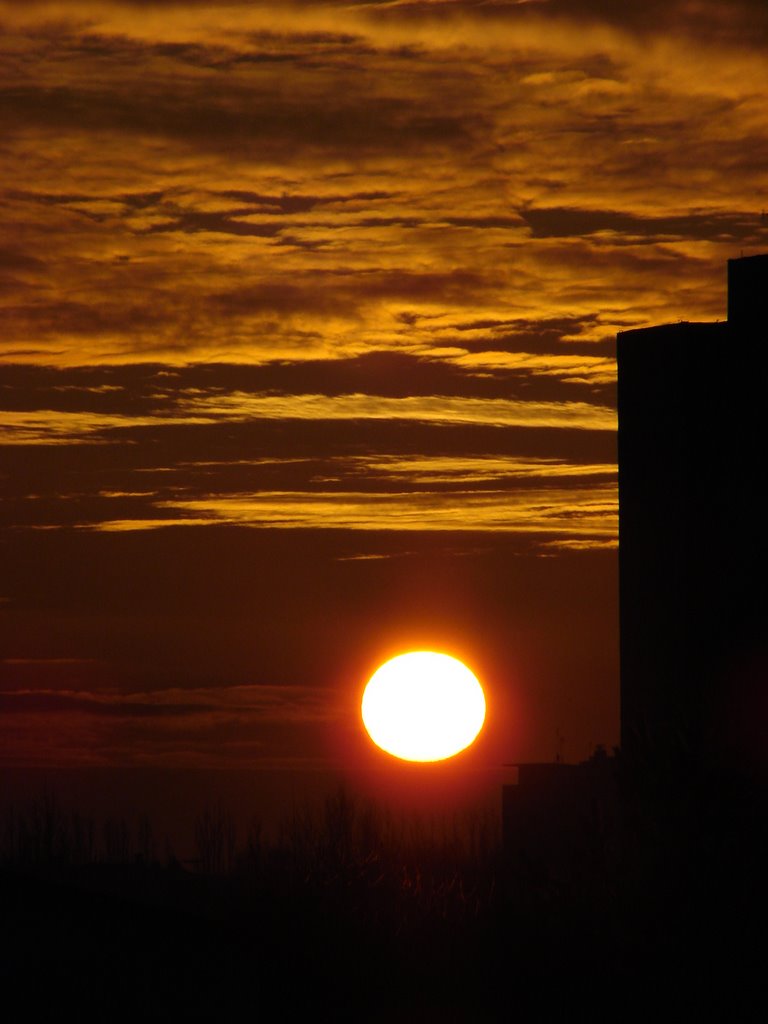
[
  {"x": 693, "y": 599},
  {"x": 692, "y": 541},
  {"x": 561, "y": 816}
]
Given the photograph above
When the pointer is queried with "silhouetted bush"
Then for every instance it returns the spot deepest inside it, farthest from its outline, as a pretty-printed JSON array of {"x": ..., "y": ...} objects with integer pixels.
[{"x": 347, "y": 898}]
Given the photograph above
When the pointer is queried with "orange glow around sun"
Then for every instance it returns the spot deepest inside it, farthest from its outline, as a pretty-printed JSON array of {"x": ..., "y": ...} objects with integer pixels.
[{"x": 423, "y": 706}]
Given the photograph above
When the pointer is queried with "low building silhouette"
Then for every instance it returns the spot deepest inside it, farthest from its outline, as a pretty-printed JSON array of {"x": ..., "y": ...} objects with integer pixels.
[{"x": 561, "y": 817}]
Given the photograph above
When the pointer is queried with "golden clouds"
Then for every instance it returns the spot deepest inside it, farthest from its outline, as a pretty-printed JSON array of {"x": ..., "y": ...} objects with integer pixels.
[
  {"x": 197, "y": 181},
  {"x": 450, "y": 469},
  {"x": 454, "y": 205},
  {"x": 591, "y": 512},
  {"x": 64, "y": 427},
  {"x": 139, "y": 448},
  {"x": 447, "y": 409},
  {"x": 57, "y": 427}
]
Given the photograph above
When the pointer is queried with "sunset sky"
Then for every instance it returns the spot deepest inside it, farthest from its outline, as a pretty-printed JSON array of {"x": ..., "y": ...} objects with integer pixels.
[{"x": 308, "y": 354}]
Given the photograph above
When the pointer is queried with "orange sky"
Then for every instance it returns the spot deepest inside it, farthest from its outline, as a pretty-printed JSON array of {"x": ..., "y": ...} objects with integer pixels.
[{"x": 329, "y": 292}]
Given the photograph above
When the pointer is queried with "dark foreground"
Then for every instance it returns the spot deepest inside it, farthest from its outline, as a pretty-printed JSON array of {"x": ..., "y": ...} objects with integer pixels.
[{"x": 347, "y": 918}]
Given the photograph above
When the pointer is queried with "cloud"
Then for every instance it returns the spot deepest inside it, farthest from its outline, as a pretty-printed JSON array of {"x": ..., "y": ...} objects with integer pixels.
[
  {"x": 56, "y": 427},
  {"x": 267, "y": 703},
  {"x": 261, "y": 124},
  {"x": 139, "y": 448},
  {"x": 570, "y": 511},
  {"x": 425, "y": 409},
  {"x": 122, "y": 405},
  {"x": 706, "y": 18},
  {"x": 463, "y": 470},
  {"x": 42, "y": 702},
  {"x": 64, "y": 427},
  {"x": 246, "y": 181},
  {"x": 238, "y": 726},
  {"x": 581, "y": 544},
  {"x": 563, "y": 223}
]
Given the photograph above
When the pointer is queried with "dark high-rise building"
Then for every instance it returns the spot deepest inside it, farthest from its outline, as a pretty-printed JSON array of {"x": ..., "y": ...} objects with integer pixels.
[
  {"x": 693, "y": 479},
  {"x": 693, "y": 583}
]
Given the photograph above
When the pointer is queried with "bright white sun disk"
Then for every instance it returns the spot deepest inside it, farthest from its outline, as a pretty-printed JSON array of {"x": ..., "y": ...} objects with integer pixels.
[{"x": 423, "y": 706}]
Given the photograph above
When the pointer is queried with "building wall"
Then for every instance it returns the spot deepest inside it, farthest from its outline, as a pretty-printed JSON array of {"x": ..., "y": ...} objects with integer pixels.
[{"x": 692, "y": 547}]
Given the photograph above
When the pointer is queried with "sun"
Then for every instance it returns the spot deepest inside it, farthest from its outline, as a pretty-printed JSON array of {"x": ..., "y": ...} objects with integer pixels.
[{"x": 423, "y": 706}]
